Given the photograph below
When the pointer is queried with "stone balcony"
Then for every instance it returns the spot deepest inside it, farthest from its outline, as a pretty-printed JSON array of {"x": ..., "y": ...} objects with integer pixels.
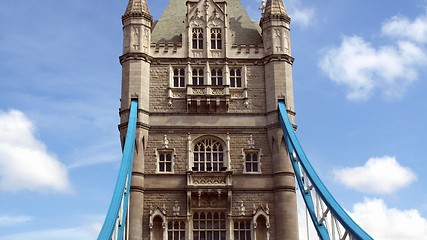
[
  {"x": 209, "y": 180},
  {"x": 206, "y": 99}
]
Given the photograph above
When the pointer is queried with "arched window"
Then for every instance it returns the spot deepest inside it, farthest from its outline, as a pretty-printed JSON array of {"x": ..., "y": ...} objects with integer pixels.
[{"x": 208, "y": 156}]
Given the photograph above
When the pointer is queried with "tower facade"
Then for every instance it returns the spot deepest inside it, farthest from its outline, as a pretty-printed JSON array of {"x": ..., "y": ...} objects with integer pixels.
[{"x": 210, "y": 159}]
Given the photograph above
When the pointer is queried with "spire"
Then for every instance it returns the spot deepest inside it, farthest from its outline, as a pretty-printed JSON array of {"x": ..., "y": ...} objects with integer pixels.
[
  {"x": 137, "y": 8},
  {"x": 274, "y": 9}
]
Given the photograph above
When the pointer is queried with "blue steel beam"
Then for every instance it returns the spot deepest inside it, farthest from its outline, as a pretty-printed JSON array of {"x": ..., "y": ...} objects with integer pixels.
[
  {"x": 338, "y": 212},
  {"x": 120, "y": 197}
]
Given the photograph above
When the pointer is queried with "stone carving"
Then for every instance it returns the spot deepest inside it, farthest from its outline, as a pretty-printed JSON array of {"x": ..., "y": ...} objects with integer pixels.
[
  {"x": 217, "y": 91},
  {"x": 176, "y": 209},
  {"x": 251, "y": 142},
  {"x": 210, "y": 180},
  {"x": 165, "y": 142},
  {"x": 215, "y": 20},
  {"x": 278, "y": 43},
  {"x": 136, "y": 38},
  {"x": 242, "y": 209},
  {"x": 197, "y": 20},
  {"x": 145, "y": 42}
]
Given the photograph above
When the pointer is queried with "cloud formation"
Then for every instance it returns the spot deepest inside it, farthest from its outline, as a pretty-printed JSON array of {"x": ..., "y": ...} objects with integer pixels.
[
  {"x": 301, "y": 15},
  {"x": 381, "y": 175},
  {"x": 25, "y": 163},
  {"x": 8, "y": 220},
  {"x": 363, "y": 68},
  {"x": 384, "y": 223}
]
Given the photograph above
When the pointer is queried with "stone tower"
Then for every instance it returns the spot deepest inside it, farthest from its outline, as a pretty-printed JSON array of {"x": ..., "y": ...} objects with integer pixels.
[{"x": 210, "y": 159}]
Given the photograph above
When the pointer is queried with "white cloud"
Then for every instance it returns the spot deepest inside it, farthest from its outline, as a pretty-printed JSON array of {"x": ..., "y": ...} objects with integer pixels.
[
  {"x": 384, "y": 223},
  {"x": 8, "y": 220},
  {"x": 364, "y": 68},
  {"x": 378, "y": 175},
  {"x": 300, "y": 15},
  {"x": 402, "y": 27},
  {"x": 25, "y": 163}
]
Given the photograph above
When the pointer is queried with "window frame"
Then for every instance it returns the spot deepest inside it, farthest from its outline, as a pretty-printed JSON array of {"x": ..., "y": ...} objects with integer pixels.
[
  {"x": 162, "y": 161},
  {"x": 178, "y": 77},
  {"x": 216, "y": 38},
  {"x": 198, "y": 75},
  {"x": 217, "y": 77},
  {"x": 201, "y": 225},
  {"x": 197, "y": 38},
  {"x": 172, "y": 230},
  {"x": 236, "y": 78},
  {"x": 246, "y": 230}
]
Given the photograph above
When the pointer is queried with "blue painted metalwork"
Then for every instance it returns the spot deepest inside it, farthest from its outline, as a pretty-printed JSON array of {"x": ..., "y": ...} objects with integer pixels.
[
  {"x": 115, "y": 221},
  {"x": 301, "y": 165}
]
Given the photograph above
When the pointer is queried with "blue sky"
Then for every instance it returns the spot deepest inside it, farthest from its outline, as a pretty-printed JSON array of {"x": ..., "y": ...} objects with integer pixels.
[{"x": 359, "y": 86}]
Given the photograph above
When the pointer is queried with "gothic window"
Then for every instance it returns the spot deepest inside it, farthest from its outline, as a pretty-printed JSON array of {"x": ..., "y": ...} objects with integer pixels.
[
  {"x": 208, "y": 156},
  {"x": 235, "y": 78},
  {"x": 198, "y": 77},
  {"x": 165, "y": 161},
  {"x": 197, "y": 38},
  {"x": 176, "y": 230},
  {"x": 242, "y": 230},
  {"x": 216, "y": 39},
  {"x": 252, "y": 162},
  {"x": 179, "y": 77},
  {"x": 216, "y": 77},
  {"x": 209, "y": 225}
]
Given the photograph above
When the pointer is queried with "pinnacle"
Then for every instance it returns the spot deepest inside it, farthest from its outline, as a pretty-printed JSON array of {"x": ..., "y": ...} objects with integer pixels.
[
  {"x": 274, "y": 7},
  {"x": 137, "y": 7}
]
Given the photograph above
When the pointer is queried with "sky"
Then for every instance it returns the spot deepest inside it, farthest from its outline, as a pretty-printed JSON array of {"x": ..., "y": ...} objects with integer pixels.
[{"x": 359, "y": 85}]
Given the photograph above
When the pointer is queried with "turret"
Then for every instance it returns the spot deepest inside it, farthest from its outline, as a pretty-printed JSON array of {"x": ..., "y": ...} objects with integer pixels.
[
  {"x": 278, "y": 83},
  {"x": 276, "y": 38},
  {"x": 135, "y": 63}
]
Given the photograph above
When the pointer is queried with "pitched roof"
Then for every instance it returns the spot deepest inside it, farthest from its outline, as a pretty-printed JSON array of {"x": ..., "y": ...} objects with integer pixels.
[{"x": 171, "y": 24}]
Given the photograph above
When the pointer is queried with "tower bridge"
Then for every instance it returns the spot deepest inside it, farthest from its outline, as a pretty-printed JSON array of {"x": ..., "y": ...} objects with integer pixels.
[{"x": 207, "y": 126}]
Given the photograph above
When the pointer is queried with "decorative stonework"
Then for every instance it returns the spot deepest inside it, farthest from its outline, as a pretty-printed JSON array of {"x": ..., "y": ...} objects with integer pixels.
[{"x": 210, "y": 180}]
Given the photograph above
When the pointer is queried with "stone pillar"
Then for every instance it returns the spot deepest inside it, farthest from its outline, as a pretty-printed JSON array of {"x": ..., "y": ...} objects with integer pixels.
[{"x": 285, "y": 206}]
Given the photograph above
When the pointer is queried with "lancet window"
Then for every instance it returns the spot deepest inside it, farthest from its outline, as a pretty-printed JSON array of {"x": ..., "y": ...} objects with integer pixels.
[
  {"x": 198, "y": 77},
  {"x": 252, "y": 162},
  {"x": 216, "y": 38},
  {"x": 179, "y": 77},
  {"x": 235, "y": 78},
  {"x": 165, "y": 162},
  {"x": 197, "y": 38},
  {"x": 216, "y": 77}
]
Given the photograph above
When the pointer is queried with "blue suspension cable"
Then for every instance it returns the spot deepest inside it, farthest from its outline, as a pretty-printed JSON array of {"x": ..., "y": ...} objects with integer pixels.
[{"x": 117, "y": 212}]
